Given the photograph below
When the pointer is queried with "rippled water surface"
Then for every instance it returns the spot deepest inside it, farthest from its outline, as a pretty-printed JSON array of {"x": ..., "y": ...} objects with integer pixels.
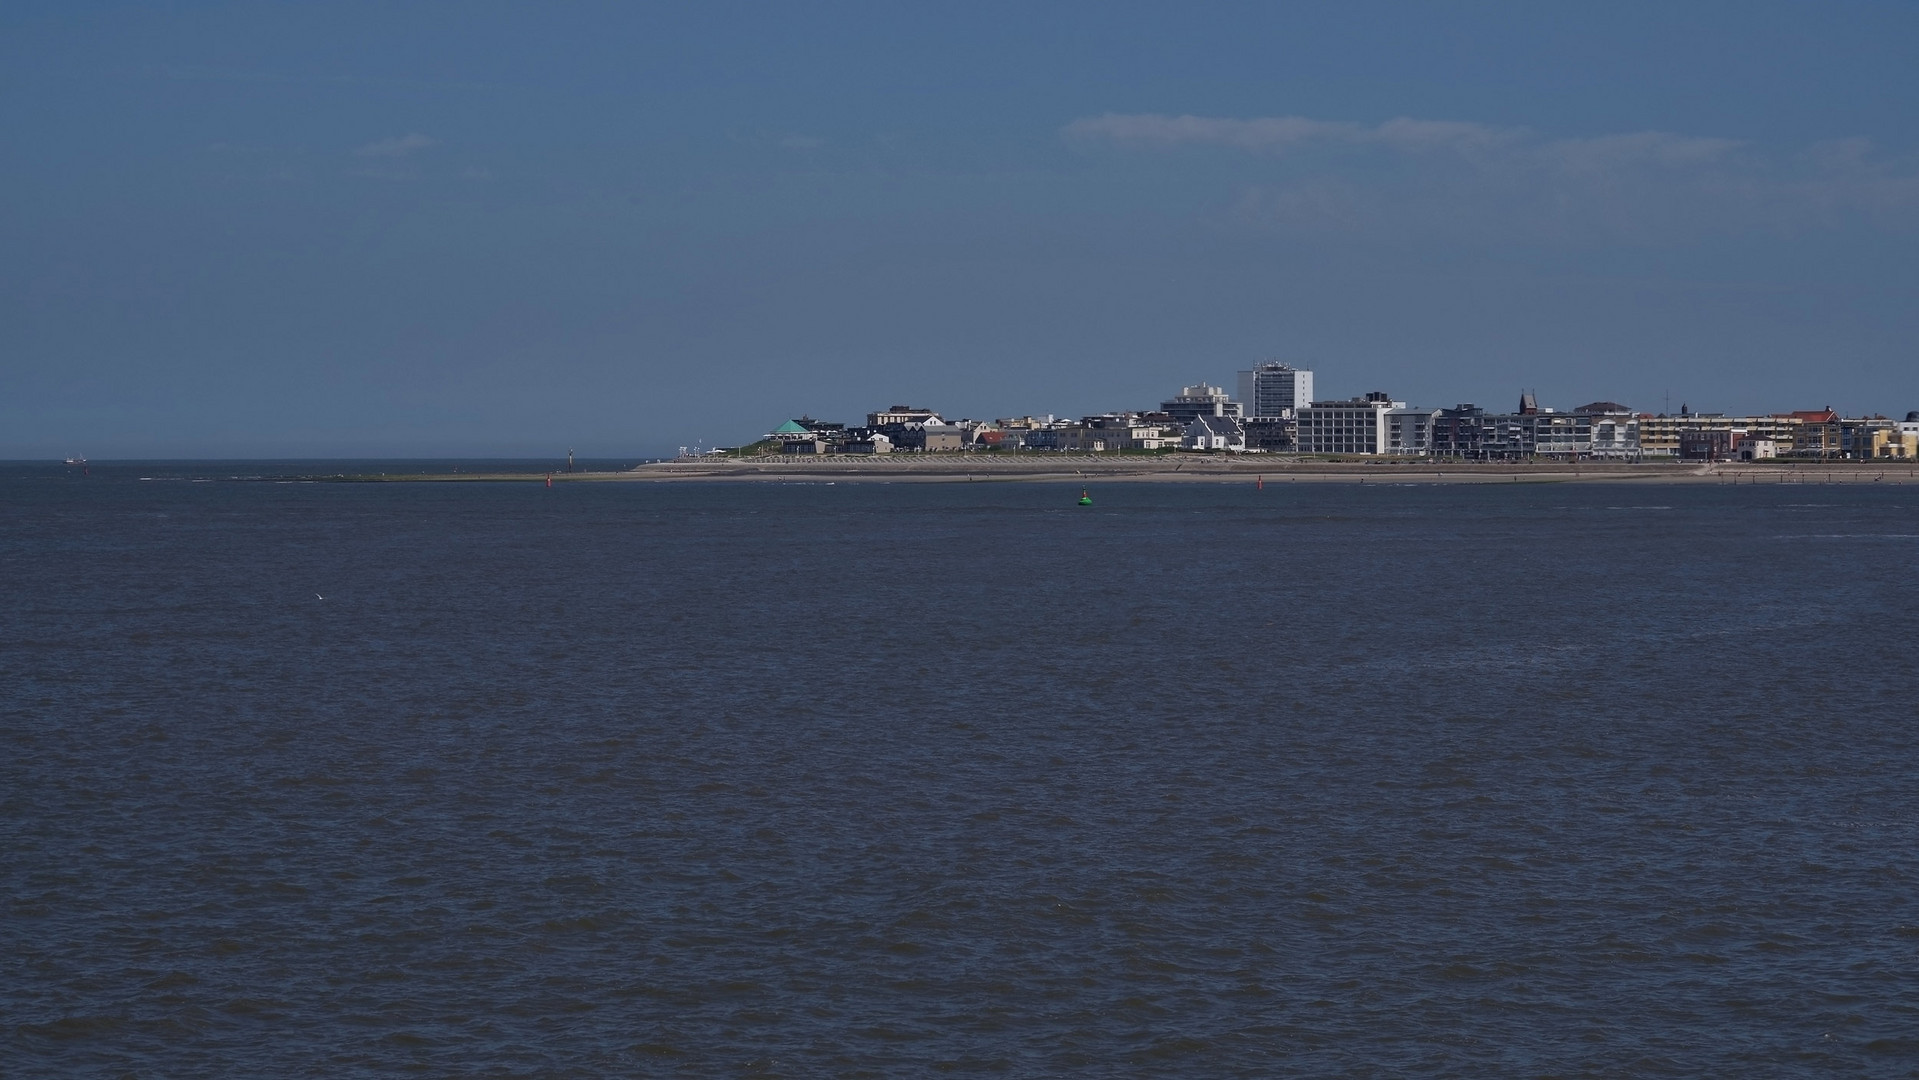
[{"x": 839, "y": 780}]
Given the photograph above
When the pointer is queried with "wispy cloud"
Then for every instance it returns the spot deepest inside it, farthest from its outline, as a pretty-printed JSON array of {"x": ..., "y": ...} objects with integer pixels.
[
  {"x": 1154, "y": 129},
  {"x": 1279, "y": 134},
  {"x": 397, "y": 147},
  {"x": 1634, "y": 149},
  {"x": 1446, "y": 176}
]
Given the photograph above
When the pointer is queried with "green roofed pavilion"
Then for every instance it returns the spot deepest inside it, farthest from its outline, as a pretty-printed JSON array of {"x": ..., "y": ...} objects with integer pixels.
[{"x": 791, "y": 427}]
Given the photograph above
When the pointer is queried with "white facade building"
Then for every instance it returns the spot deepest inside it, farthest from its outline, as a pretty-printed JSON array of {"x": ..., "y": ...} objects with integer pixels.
[
  {"x": 1201, "y": 400},
  {"x": 1615, "y": 435},
  {"x": 1358, "y": 426},
  {"x": 1275, "y": 391}
]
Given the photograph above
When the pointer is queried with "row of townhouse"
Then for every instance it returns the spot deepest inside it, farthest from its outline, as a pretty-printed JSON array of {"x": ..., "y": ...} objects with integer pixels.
[
  {"x": 1286, "y": 418},
  {"x": 1375, "y": 424},
  {"x": 1276, "y": 413},
  {"x": 908, "y": 428},
  {"x": 1814, "y": 435},
  {"x": 895, "y": 428},
  {"x": 1602, "y": 429}
]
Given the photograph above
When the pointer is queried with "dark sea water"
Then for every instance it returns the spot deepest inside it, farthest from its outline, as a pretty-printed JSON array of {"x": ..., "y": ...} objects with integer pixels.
[{"x": 895, "y": 780}]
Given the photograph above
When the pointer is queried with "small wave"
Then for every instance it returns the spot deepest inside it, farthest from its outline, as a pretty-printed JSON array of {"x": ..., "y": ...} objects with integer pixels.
[{"x": 75, "y": 1027}]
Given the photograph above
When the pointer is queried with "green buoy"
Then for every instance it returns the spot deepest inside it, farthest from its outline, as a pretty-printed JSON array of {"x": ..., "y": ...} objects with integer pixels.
[{"x": 1085, "y": 499}]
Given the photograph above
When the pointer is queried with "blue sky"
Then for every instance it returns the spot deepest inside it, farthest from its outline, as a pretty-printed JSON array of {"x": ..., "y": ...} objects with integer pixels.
[{"x": 289, "y": 230}]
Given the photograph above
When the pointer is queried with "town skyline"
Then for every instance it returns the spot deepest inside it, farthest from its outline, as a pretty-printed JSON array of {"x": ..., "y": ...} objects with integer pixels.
[{"x": 1276, "y": 410}]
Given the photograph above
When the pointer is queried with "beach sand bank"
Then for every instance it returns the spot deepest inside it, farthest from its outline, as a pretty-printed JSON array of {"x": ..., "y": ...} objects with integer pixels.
[{"x": 1184, "y": 469}]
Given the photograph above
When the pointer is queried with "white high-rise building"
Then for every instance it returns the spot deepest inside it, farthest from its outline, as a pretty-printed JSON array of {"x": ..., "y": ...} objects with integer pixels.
[{"x": 1275, "y": 390}]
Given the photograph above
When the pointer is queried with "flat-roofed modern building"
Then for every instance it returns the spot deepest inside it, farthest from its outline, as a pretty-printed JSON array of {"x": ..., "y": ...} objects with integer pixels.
[
  {"x": 1200, "y": 400},
  {"x": 901, "y": 414},
  {"x": 1662, "y": 435},
  {"x": 1556, "y": 434},
  {"x": 1615, "y": 430},
  {"x": 1356, "y": 426},
  {"x": 1274, "y": 390},
  {"x": 1602, "y": 429},
  {"x": 1409, "y": 431},
  {"x": 1459, "y": 431},
  {"x": 1271, "y": 434},
  {"x": 1893, "y": 443}
]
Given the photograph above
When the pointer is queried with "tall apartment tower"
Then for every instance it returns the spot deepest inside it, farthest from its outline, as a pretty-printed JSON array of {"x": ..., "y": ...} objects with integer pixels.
[{"x": 1275, "y": 390}]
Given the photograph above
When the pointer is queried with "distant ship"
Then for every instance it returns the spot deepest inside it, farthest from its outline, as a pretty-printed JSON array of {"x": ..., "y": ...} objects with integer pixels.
[{"x": 76, "y": 461}]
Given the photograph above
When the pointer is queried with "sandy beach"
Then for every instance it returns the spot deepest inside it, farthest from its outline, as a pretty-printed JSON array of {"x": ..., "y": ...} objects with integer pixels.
[{"x": 1070, "y": 469}]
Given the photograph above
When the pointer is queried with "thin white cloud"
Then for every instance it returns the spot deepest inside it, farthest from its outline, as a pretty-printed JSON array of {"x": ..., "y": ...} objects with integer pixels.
[
  {"x": 1432, "y": 177},
  {"x": 1405, "y": 133},
  {"x": 397, "y": 147},
  {"x": 1636, "y": 148},
  {"x": 1260, "y": 133},
  {"x": 1277, "y": 134}
]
